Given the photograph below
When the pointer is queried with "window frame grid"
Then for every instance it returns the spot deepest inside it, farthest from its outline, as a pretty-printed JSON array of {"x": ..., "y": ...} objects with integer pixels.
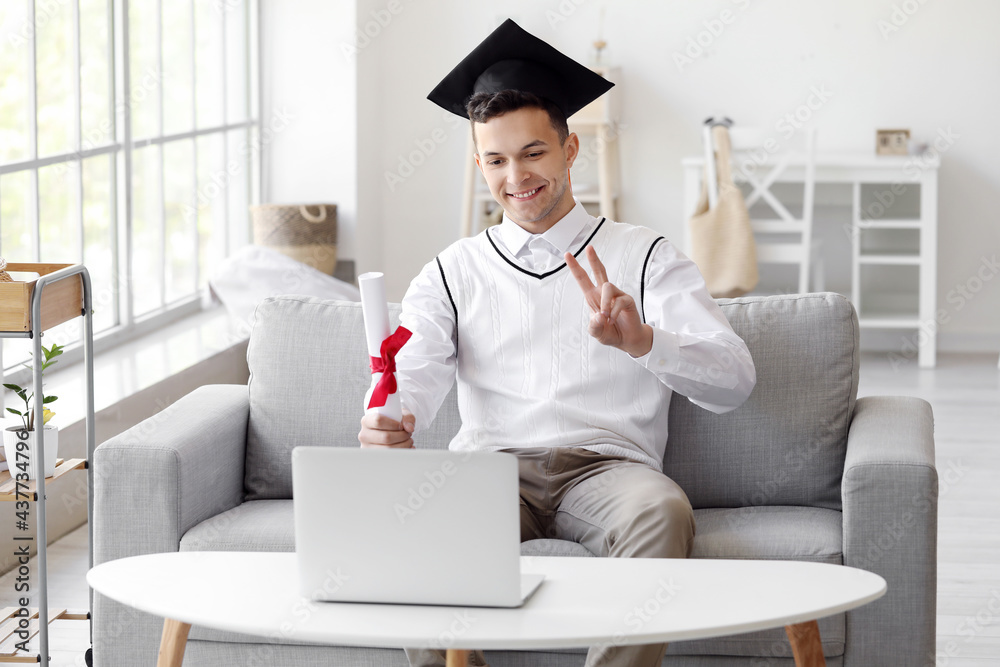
[
  {"x": 161, "y": 217},
  {"x": 120, "y": 149}
]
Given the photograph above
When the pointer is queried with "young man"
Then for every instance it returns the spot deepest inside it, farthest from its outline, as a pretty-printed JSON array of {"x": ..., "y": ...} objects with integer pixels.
[{"x": 571, "y": 374}]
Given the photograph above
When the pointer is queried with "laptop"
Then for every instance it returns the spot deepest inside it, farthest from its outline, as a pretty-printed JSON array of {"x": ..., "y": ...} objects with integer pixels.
[{"x": 409, "y": 526}]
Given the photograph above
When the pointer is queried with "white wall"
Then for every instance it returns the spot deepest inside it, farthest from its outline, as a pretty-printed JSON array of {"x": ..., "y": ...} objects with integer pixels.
[
  {"x": 934, "y": 73},
  {"x": 307, "y": 80}
]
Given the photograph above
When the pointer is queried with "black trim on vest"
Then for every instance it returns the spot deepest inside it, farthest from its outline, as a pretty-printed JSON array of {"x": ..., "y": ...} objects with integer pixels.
[
  {"x": 555, "y": 270},
  {"x": 448, "y": 290},
  {"x": 642, "y": 281}
]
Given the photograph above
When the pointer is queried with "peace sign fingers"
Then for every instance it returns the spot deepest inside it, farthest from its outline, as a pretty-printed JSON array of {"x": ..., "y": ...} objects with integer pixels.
[
  {"x": 600, "y": 275},
  {"x": 590, "y": 292}
]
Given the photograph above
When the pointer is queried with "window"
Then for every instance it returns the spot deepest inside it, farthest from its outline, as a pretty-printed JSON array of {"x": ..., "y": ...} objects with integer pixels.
[{"x": 129, "y": 142}]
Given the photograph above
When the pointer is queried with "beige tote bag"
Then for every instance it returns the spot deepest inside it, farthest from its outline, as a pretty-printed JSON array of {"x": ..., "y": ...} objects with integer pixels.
[{"x": 722, "y": 243}]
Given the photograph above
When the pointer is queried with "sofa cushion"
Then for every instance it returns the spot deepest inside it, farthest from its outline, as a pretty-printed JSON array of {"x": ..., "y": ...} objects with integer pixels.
[
  {"x": 773, "y": 533},
  {"x": 549, "y": 547},
  {"x": 308, "y": 377},
  {"x": 786, "y": 444},
  {"x": 781, "y": 533},
  {"x": 257, "y": 525}
]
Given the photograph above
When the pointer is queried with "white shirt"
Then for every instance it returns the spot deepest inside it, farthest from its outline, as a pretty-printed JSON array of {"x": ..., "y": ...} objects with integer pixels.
[{"x": 694, "y": 351}]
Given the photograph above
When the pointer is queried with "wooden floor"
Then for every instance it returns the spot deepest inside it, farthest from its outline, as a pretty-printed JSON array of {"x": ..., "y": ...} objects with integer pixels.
[{"x": 964, "y": 391}]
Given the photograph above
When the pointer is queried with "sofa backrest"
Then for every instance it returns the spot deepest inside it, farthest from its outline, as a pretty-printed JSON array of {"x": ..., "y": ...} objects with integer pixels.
[
  {"x": 784, "y": 446},
  {"x": 308, "y": 377}
]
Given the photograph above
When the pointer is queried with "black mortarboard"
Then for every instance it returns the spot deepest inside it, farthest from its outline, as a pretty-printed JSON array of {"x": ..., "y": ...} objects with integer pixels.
[{"x": 511, "y": 58}]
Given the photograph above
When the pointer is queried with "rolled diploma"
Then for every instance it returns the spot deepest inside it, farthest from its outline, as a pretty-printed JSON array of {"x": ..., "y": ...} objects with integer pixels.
[{"x": 376, "y": 313}]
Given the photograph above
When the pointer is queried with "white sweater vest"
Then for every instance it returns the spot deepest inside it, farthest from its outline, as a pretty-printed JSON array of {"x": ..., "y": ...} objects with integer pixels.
[{"x": 529, "y": 374}]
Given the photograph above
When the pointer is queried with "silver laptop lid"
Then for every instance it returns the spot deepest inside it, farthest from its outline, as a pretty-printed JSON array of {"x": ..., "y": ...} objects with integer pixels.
[{"x": 407, "y": 525}]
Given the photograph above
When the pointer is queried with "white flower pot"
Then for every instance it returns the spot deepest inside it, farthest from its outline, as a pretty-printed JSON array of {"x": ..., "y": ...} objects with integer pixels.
[{"x": 16, "y": 434}]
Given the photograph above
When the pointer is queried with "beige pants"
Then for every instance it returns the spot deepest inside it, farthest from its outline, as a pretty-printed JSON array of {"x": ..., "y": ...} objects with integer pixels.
[{"x": 614, "y": 507}]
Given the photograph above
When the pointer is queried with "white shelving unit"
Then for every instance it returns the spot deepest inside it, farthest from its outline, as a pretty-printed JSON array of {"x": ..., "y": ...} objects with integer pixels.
[
  {"x": 68, "y": 296},
  {"x": 880, "y": 243}
]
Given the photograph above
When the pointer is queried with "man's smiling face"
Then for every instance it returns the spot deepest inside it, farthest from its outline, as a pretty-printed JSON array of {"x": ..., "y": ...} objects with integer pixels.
[{"x": 526, "y": 168}]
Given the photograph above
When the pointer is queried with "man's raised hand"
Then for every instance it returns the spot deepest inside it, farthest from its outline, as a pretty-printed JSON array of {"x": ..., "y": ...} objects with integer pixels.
[
  {"x": 615, "y": 320},
  {"x": 382, "y": 432}
]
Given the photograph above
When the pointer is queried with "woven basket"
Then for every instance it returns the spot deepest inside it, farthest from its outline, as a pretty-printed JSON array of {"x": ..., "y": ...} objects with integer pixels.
[{"x": 307, "y": 233}]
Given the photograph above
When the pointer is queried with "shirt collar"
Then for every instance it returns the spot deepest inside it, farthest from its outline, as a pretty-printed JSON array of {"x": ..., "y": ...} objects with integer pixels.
[{"x": 560, "y": 235}]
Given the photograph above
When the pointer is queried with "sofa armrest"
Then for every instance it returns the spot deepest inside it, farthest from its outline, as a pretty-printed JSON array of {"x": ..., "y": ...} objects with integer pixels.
[
  {"x": 890, "y": 493},
  {"x": 159, "y": 478}
]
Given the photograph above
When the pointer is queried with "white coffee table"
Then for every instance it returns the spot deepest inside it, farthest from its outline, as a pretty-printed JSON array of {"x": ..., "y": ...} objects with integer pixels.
[{"x": 582, "y": 602}]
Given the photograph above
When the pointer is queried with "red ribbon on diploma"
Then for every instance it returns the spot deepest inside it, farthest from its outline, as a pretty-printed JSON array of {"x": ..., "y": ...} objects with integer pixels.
[{"x": 386, "y": 365}]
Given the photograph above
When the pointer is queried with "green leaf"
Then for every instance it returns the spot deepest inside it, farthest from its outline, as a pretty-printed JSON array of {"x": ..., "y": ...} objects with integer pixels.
[
  {"x": 12, "y": 387},
  {"x": 15, "y": 412},
  {"x": 49, "y": 399}
]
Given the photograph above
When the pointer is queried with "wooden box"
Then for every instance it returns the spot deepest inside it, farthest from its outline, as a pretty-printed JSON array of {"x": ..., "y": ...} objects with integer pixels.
[{"x": 61, "y": 300}]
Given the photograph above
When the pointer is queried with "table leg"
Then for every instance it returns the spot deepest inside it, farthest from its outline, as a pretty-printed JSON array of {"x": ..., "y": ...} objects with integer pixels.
[
  {"x": 457, "y": 657},
  {"x": 172, "y": 643},
  {"x": 806, "y": 645}
]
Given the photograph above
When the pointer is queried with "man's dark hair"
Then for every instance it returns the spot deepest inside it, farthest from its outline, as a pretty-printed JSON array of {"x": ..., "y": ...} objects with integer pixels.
[{"x": 484, "y": 106}]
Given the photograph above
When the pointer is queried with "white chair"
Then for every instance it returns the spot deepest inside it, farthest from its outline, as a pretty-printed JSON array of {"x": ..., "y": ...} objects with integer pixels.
[{"x": 759, "y": 158}]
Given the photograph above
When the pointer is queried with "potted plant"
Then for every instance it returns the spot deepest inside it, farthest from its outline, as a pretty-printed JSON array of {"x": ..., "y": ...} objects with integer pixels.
[{"x": 22, "y": 438}]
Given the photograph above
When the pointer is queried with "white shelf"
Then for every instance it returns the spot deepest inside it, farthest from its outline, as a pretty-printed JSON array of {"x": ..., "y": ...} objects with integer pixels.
[
  {"x": 898, "y": 223},
  {"x": 888, "y": 321},
  {"x": 889, "y": 258}
]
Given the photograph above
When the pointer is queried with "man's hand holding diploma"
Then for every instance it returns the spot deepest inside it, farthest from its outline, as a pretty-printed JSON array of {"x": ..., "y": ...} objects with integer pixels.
[
  {"x": 615, "y": 320},
  {"x": 384, "y": 432}
]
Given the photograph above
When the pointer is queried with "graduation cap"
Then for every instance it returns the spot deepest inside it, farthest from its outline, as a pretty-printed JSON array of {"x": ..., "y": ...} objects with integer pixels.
[{"x": 511, "y": 58}]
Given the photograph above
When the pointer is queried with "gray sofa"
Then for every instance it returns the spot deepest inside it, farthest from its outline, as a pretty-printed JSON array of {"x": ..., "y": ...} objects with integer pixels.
[{"x": 801, "y": 471}]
